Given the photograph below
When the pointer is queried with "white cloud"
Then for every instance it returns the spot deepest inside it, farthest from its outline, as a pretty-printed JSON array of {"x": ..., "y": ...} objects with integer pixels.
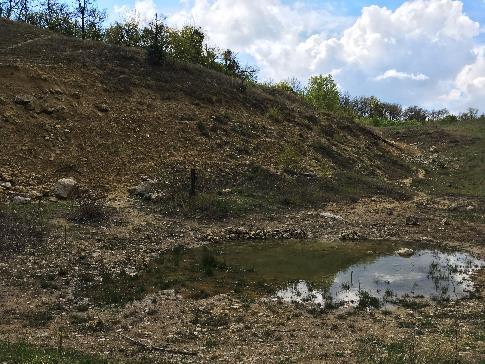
[
  {"x": 401, "y": 76},
  {"x": 469, "y": 84},
  {"x": 143, "y": 10}
]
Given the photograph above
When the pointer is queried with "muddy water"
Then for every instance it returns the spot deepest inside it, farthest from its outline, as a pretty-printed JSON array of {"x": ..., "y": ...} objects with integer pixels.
[
  {"x": 323, "y": 272},
  {"x": 320, "y": 272}
]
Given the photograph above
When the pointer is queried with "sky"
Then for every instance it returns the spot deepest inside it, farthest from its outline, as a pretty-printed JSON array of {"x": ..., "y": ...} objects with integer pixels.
[{"x": 429, "y": 53}]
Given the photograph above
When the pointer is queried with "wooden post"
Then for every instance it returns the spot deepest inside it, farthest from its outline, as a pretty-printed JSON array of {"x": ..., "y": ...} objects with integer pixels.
[{"x": 193, "y": 181}]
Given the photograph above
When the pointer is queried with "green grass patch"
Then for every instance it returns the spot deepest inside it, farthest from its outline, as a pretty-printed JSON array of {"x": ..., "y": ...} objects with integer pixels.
[{"x": 25, "y": 353}]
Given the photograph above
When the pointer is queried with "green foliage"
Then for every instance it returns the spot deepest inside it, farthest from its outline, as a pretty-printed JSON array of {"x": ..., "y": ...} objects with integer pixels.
[
  {"x": 126, "y": 34},
  {"x": 274, "y": 114},
  {"x": 367, "y": 300},
  {"x": 322, "y": 93},
  {"x": 156, "y": 38}
]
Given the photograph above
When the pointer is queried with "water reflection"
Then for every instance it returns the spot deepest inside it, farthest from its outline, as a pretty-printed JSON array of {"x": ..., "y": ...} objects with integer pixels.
[{"x": 428, "y": 274}]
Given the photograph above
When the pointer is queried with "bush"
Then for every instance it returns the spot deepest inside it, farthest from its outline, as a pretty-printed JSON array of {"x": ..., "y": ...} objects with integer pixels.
[
  {"x": 366, "y": 300},
  {"x": 90, "y": 213}
]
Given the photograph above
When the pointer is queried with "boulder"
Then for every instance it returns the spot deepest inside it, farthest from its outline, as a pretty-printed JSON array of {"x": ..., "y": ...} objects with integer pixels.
[
  {"x": 405, "y": 252},
  {"x": 66, "y": 188},
  {"x": 23, "y": 100}
]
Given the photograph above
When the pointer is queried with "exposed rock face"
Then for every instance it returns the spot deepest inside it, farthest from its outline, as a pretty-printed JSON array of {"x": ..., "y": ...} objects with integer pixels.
[{"x": 66, "y": 188}]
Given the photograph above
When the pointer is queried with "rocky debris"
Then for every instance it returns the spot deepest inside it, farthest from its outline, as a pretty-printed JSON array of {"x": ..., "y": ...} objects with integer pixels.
[
  {"x": 66, "y": 188},
  {"x": 412, "y": 220},
  {"x": 351, "y": 235},
  {"x": 24, "y": 100},
  {"x": 21, "y": 200},
  {"x": 405, "y": 252},
  {"x": 329, "y": 215},
  {"x": 6, "y": 185},
  {"x": 241, "y": 233},
  {"x": 146, "y": 190}
]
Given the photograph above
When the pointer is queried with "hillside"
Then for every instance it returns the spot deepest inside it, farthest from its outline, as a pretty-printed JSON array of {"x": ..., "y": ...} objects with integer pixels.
[
  {"x": 304, "y": 226},
  {"x": 104, "y": 116}
]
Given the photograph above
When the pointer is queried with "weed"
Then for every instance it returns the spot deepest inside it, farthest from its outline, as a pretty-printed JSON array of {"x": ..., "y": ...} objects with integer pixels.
[
  {"x": 274, "y": 114},
  {"x": 367, "y": 300},
  {"x": 90, "y": 213},
  {"x": 209, "y": 262}
]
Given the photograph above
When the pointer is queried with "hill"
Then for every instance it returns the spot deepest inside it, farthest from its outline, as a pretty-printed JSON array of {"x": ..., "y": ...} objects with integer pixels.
[{"x": 104, "y": 116}]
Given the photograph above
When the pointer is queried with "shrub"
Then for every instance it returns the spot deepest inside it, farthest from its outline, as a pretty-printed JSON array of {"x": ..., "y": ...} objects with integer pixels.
[
  {"x": 90, "y": 213},
  {"x": 367, "y": 300}
]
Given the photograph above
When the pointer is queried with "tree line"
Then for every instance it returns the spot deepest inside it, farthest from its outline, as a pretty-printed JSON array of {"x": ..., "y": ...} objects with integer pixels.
[
  {"x": 322, "y": 92},
  {"x": 83, "y": 19}
]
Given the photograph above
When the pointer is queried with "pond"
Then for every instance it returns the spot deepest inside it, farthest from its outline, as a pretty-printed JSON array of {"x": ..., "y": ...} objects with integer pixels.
[{"x": 319, "y": 272}]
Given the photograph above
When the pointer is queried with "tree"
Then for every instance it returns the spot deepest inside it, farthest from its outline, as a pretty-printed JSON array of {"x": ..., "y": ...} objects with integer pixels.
[
  {"x": 54, "y": 16},
  {"x": 415, "y": 113},
  {"x": 436, "y": 115},
  {"x": 322, "y": 92},
  {"x": 11, "y": 9},
  {"x": 155, "y": 38},
  {"x": 91, "y": 19},
  {"x": 187, "y": 44},
  {"x": 126, "y": 34}
]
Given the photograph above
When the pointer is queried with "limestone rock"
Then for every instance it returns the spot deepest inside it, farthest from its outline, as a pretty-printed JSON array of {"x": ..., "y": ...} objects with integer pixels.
[
  {"x": 405, "y": 252},
  {"x": 66, "y": 188}
]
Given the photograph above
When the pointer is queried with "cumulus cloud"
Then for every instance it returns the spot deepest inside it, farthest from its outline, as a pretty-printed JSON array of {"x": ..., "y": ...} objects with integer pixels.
[
  {"x": 469, "y": 85},
  {"x": 401, "y": 76}
]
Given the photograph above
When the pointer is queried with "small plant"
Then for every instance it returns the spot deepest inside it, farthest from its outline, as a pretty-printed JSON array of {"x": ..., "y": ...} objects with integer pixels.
[
  {"x": 203, "y": 129},
  {"x": 209, "y": 262},
  {"x": 345, "y": 286},
  {"x": 366, "y": 300},
  {"x": 90, "y": 213},
  {"x": 274, "y": 114}
]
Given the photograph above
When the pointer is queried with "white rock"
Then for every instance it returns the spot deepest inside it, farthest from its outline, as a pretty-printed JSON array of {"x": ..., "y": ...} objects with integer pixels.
[
  {"x": 329, "y": 215},
  {"x": 405, "y": 252},
  {"x": 66, "y": 188},
  {"x": 21, "y": 200},
  {"x": 6, "y": 185}
]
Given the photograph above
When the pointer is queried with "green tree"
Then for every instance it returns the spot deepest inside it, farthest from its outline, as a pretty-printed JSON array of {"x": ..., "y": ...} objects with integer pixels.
[
  {"x": 156, "y": 41},
  {"x": 128, "y": 34},
  {"x": 187, "y": 44},
  {"x": 322, "y": 92}
]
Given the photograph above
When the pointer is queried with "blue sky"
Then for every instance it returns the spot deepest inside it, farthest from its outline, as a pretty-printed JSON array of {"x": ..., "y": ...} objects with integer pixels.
[{"x": 425, "y": 52}]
